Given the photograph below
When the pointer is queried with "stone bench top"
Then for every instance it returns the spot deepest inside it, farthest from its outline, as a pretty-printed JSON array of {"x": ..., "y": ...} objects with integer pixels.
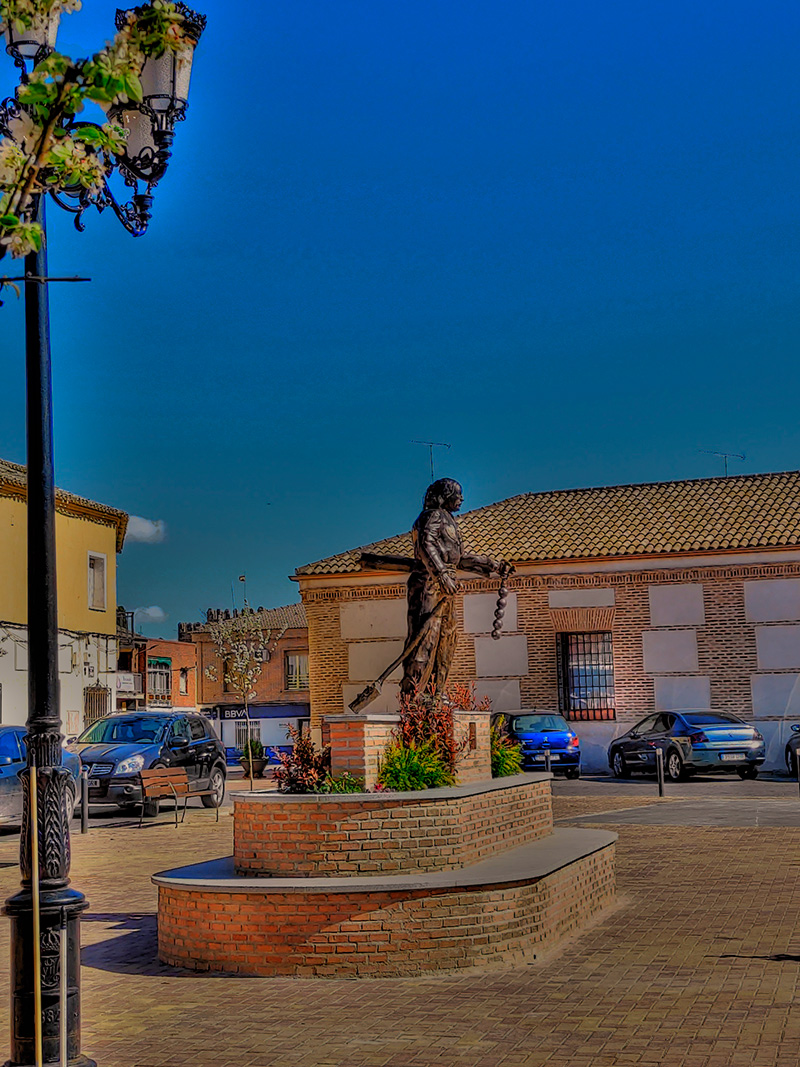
[
  {"x": 453, "y": 792},
  {"x": 525, "y": 864}
]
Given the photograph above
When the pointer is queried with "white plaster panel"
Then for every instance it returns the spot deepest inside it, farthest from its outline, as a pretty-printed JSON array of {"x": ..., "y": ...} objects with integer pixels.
[
  {"x": 778, "y": 647},
  {"x": 504, "y": 694},
  {"x": 676, "y": 605},
  {"x": 776, "y": 695},
  {"x": 676, "y": 694},
  {"x": 503, "y": 658},
  {"x": 479, "y": 612},
  {"x": 581, "y": 598},
  {"x": 772, "y": 599},
  {"x": 65, "y": 659},
  {"x": 368, "y": 659},
  {"x": 364, "y": 619},
  {"x": 669, "y": 651},
  {"x": 388, "y": 701}
]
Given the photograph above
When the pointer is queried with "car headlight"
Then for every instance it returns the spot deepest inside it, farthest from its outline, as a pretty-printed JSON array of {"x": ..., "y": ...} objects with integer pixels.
[{"x": 130, "y": 765}]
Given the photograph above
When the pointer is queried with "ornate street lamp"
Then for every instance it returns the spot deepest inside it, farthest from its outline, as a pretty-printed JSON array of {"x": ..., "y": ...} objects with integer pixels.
[{"x": 45, "y": 938}]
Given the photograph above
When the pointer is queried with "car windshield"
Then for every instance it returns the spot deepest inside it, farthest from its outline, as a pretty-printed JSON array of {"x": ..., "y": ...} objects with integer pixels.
[
  {"x": 538, "y": 722},
  {"x": 708, "y": 718},
  {"x": 122, "y": 731}
]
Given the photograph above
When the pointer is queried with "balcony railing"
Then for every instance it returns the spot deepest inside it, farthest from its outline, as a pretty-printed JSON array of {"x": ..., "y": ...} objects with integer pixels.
[{"x": 129, "y": 684}]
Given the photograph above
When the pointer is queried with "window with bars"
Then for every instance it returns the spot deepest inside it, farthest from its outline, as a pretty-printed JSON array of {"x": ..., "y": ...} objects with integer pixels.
[
  {"x": 585, "y": 676},
  {"x": 296, "y": 670},
  {"x": 245, "y": 729}
]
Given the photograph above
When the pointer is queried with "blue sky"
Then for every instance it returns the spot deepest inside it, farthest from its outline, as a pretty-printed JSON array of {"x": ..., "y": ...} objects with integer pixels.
[{"x": 562, "y": 238}]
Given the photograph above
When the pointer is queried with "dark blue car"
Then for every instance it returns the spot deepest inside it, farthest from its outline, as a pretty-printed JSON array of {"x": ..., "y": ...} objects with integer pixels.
[
  {"x": 115, "y": 749},
  {"x": 539, "y": 732},
  {"x": 12, "y": 760}
]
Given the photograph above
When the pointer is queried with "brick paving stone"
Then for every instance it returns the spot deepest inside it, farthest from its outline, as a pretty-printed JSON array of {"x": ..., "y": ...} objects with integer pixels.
[{"x": 697, "y": 967}]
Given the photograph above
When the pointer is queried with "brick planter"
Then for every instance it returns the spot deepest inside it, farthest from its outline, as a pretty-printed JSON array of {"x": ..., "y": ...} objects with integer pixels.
[
  {"x": 386, "y": 884},
  {"x": 388, "y": 833},
  {"x": 498, "y": 912}
]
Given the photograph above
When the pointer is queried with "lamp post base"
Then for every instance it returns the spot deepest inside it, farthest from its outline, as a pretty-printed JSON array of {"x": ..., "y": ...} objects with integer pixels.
[{"x": 59, "y": 911}]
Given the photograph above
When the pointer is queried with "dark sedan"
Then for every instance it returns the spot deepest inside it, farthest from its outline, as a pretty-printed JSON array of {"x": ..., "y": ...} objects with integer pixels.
[
  {"x": 115, "y": 749},
  {"x": 12, "y": 760},
  {"x": 692, "y": 742}
]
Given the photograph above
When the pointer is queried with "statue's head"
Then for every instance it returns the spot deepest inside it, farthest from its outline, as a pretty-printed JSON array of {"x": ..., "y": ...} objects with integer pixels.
[{"x": 445, "y": 493}]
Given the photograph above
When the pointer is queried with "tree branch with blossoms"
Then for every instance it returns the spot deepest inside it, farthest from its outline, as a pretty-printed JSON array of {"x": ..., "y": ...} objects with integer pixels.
[{"x": 43, "y": 150}]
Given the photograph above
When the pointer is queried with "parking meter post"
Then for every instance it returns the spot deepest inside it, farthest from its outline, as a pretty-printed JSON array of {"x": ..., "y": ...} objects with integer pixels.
[
  {"x": 660, "y": 771},
  {"x": 547, "y": 760},
  {"x": 84, "y": 801}
]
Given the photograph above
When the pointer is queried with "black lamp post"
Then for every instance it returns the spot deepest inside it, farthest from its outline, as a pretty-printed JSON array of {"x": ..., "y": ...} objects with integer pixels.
[{"x": 45, "y": 935}]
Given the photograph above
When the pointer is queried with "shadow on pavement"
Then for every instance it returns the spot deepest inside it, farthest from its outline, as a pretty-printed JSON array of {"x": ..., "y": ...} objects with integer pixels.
[{"x": 135, "y": 951}]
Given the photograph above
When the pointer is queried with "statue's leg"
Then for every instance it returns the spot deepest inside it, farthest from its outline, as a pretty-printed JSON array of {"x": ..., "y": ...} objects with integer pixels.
[
  {"x": 423, "y": 596},
  {"x": 442, "y": 659}
]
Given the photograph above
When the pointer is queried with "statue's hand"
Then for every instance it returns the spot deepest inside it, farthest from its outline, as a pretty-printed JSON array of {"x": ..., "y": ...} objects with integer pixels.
[
  {"x": 504, "y": 568},
  {"x": 447, "y": 583}
]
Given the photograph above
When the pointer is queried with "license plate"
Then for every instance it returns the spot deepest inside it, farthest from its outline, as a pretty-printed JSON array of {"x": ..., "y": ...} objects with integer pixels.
[
  {"x": 94, "y": 783},
  {"x": 730, "y": 756},
  {"x": 541, "y": 757}
]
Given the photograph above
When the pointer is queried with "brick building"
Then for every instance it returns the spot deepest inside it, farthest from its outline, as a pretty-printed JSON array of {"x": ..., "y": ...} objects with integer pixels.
[
  {"x": 154, "y": 673},
  {"x": 281, "y": 692},
  {"x": 626, "y": 599}
]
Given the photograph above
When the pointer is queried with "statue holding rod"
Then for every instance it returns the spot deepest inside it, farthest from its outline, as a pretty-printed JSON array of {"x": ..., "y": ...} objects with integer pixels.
[{"x": 432, "y": 586}]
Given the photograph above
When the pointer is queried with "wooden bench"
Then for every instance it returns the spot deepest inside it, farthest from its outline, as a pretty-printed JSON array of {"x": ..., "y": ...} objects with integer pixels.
[{"x": 165, "y": 783}]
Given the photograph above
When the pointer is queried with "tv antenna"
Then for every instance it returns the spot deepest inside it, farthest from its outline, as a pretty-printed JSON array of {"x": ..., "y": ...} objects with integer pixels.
[
  {"x": 431, "y": 445},
  {"x": 725, "y": 456}
]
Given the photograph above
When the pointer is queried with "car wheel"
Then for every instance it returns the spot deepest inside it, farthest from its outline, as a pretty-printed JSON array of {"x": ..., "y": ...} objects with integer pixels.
[
  {"x": 71, "y": 802},
  {"x": 572, "y": 772},
  {"x": 619, "y": 766},
  {"x": 216, "y": 783},
  {"x": 676, "y": 772},
  {"x": 748, "y": 772},
  {"x": 791, "y": 763}
]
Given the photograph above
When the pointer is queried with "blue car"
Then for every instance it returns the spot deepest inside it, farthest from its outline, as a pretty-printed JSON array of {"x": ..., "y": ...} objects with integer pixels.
[
  {"x": 539, "y": 732},
  {"x": 13, "y": 760},
  {"x": 693, "y": 742},
  {"x": 116, "y": 748}
]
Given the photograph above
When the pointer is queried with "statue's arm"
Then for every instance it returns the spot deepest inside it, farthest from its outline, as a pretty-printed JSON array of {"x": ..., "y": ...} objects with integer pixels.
[{"x": 471, "y": 561}]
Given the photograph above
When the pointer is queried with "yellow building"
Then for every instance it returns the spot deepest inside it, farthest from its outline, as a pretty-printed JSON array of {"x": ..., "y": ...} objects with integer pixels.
[{"x": 88, "y": 538}]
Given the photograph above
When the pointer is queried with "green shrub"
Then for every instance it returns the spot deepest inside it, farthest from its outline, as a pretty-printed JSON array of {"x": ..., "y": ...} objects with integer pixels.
[
  {"x": 506, "y": 754},
  {"x": 414, "y": 765},
  {"x": 344, "y": 783},
  {"x": 253, "y": 748}
]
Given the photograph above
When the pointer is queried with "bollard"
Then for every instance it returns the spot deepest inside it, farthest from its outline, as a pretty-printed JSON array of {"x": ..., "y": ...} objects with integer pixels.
[
  {"x": 84, "y": 800},
  {"x": 660, "y": 771},
  {"x": 547, "y": 760}
]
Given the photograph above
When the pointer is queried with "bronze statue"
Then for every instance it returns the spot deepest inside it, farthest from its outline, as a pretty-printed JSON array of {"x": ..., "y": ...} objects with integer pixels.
[{"x": 438, "y": 554}]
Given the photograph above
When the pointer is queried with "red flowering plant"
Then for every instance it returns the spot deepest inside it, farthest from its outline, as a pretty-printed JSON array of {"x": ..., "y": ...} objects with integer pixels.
[{"x": 304, "y": 769}]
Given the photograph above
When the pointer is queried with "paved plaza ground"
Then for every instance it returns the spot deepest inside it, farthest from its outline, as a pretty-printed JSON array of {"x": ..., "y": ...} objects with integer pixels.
[{"x": 697, "y": 965}]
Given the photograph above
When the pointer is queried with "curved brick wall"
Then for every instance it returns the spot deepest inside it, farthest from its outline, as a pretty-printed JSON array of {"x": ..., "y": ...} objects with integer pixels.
[
  {"x": 444, "y": 829},
  {"x": 377, "y": 932}
]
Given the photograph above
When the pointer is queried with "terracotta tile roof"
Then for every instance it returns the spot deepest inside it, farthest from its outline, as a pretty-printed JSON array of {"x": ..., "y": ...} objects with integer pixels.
[
  {"x": 703, "y": 515},
  {"x": 14, "y": 482}
]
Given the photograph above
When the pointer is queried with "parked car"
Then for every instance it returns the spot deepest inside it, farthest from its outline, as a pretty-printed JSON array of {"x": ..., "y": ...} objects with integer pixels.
[
  {"x": 116, "y": 748},
  {"x": 692, "y": 742},
  {"x": 537, "y": 732},
  {"x": 12, "y": 760},
  {"x": 792, "y": 750}
]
